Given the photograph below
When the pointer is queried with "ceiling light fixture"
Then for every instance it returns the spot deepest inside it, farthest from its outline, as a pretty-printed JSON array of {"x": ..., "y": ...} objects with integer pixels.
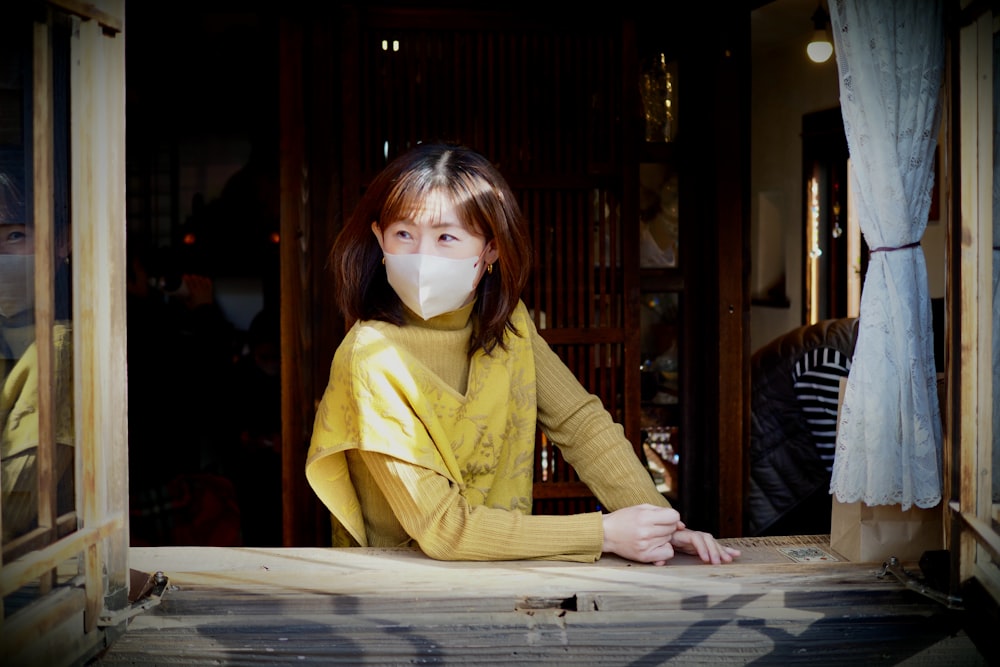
[{"x": 820, "y": 48}]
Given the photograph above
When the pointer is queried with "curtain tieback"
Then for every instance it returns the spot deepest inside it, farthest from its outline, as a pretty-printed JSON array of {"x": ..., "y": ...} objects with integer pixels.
[{"x": 886, "y": 248}]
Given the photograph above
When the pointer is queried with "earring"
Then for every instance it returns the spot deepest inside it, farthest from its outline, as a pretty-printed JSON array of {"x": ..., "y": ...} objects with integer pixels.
[
  {"x": 489, "y": 269},
  {"x": 383, "y": 260}
]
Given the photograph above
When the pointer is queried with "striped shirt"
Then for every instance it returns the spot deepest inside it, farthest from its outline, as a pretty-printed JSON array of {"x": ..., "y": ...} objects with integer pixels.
[{"x": 816, "y": 378}]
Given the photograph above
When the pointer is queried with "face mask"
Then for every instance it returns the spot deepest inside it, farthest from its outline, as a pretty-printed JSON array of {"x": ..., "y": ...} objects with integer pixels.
[
  {"x": 430, "y": 285},
  {"x": 17, "y": 284}
]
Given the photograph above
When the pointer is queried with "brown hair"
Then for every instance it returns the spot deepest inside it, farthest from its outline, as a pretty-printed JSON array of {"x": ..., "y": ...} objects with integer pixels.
[
  {"x": 11, "y": 202},
  {"x": 482, "y": 199}
]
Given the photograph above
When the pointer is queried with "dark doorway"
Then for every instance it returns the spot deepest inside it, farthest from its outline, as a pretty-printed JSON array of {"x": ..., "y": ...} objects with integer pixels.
[
  {"x": 825, "y": 253},
  {"x": 203, "y": 238}
]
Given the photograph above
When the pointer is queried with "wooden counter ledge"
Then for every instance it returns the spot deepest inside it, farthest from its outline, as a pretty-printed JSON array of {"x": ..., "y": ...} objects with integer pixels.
[{"x": 396, "y": 606}]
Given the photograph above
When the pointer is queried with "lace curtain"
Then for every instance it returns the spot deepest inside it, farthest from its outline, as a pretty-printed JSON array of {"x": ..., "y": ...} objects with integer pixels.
[{"x": 890, "y": 56}]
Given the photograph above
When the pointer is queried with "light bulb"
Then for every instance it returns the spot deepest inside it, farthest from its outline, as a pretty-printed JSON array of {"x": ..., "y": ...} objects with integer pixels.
[{"x": 819, "y": 49}]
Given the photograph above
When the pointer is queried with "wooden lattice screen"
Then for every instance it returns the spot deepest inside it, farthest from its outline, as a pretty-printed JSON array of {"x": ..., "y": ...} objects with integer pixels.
[{"x": 545, "y": 105}]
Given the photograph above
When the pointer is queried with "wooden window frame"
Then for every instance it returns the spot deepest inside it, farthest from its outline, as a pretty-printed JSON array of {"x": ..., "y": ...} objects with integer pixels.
[
  {"x": 77, "y": 565},
  {"x": 973, "y": 531}
]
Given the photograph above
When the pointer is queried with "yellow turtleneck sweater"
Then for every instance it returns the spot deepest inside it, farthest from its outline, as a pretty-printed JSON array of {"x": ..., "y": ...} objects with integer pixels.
[{"x": 416, "y": 443}]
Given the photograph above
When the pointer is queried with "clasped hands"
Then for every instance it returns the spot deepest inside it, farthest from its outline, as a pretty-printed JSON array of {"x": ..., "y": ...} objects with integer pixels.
[{"x": 651, "y": 534}]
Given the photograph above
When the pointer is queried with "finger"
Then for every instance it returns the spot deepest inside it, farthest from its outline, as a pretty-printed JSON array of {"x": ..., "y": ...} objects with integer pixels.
[
  {"x": 666, "y": 516},
  {"x": 705, "y": 551},
  {"x": 726, "y": 554},
  {"x": 667, "y": 551},
  {"x": 658, "y": 553},
  {"x": 702, "y": 544}
]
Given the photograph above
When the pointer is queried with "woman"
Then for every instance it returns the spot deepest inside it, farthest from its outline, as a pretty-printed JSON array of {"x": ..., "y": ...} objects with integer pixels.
[{"x": 425, "y": 434}]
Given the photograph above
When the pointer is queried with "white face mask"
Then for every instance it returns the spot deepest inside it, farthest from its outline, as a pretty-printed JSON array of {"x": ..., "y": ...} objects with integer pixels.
[
  {"x": 430, "y": 285},
  {"x": 17, "y": 284}
]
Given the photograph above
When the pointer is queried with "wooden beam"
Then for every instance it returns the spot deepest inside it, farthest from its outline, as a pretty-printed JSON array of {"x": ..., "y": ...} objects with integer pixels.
[
  {"x": 44, "y": 197},
  {"x": 97, "y": 190},
  {"x": 110, "y": 23}
]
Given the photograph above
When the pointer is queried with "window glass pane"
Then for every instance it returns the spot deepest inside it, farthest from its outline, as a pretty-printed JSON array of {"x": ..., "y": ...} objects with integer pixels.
[
  {"x": 29, "y": 299},
  {"x": 658, "y": 216},
  {"x": 660, "y": 388}
]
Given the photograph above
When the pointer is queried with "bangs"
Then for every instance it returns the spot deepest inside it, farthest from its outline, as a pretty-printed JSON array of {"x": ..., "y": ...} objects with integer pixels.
[
  {"x": 12, "y": 204},
  {"x": 405, "y": 198},
  {"x": 410, "y": 193}
]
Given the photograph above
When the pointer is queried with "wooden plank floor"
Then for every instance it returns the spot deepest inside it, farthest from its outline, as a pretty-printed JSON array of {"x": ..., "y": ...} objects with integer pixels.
[{"x": 397, "y": 607}]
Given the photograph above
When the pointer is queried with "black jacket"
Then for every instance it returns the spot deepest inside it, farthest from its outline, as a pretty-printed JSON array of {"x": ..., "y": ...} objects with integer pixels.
[{"x": 789, "y": 477}]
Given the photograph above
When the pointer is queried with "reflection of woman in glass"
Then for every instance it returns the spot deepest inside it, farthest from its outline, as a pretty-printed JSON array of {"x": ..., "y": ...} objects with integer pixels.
[{"x": 19, "y": 395}]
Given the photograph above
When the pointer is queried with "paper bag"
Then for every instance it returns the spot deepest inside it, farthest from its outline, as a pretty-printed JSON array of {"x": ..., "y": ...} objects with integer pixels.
[
  {"x": 863, "y": 533},
  {"x": 873, "y": 533}
]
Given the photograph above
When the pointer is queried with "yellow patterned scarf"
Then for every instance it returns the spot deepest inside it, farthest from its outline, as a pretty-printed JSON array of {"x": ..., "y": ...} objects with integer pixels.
[{"x": 383, "y": 397}]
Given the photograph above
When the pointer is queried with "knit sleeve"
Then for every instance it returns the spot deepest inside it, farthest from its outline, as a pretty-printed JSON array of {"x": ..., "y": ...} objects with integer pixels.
[
  {"x": 433, "y": 512},
  {"x": 587, "y": 436}
]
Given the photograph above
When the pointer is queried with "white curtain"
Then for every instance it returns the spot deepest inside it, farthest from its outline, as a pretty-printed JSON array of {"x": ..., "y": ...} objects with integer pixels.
[{"x": 890, "y": 55}]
